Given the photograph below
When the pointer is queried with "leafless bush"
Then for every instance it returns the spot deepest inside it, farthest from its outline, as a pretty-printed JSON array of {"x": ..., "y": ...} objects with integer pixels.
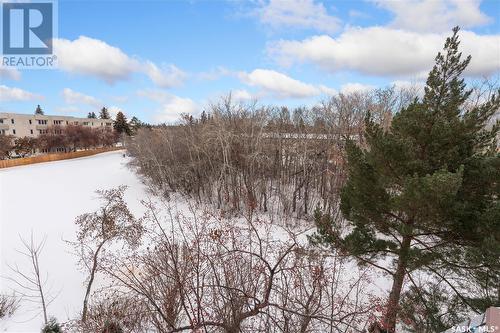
[
  {"x": 202, "y": 272},
  {"x": 8, "y": 305},
  {"x": 112, "y": 309}
]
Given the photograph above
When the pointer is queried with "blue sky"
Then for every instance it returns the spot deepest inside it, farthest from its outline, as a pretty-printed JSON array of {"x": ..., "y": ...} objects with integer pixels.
[{"x": 157, "y": 59}]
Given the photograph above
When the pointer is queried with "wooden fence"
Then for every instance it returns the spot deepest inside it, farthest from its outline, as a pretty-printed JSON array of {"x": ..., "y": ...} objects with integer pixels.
[{"x": 54, "y": 157}]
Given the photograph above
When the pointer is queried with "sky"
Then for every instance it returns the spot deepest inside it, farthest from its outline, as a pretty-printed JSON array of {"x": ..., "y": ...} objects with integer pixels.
[{"x": 158, "y": 59}]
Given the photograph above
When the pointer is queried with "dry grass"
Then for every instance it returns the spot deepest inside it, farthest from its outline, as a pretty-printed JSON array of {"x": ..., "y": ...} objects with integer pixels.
[{"x": 54, "y": 157}]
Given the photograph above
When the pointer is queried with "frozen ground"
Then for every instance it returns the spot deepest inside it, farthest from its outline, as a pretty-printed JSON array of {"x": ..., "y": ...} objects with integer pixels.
[{"x": 45, "y": 198}]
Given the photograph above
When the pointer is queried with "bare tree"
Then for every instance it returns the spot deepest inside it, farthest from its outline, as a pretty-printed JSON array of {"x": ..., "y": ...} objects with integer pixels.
[
  {"x": 112, "y": 223},
  {"x": 72, "y": 137},
  {"x": 31, "y": 285},
  {"x": 6, "y": 145}
]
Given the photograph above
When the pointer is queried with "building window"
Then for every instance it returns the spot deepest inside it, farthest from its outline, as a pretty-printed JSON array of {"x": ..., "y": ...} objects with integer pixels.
[
  {"x": 12, "y": 120},
  {"x": 31, "y": 130},
  {"x": 67, "y": 122},
  {"x": 13, "y": 131},
  {"x": 30, "y": 121},
  {"x": 85, "y": 123},
  {"x": 42, "y": 131},
  {"x": 2, "y": 131},
  {"x": 57, "y": 122},
  {"x": 1, "y": 121},
  {"x": 42, "y": 121}
]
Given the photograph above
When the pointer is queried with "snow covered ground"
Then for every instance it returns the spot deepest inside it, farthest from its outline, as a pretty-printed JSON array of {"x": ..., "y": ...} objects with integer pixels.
[{"x": 45, "y": 199}]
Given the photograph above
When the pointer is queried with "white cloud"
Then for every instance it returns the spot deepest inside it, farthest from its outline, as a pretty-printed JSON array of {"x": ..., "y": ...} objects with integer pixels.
[
  {"x": 241, "y": 95},
  {"x": 358, "y": 14},
  {"x": 74, "y": 97},
  {"x": 171, "y": 106},
  {"x": 386, "y": 51},
  {"x": 350, "y": 88},
  {"x": 174, "y": 107},
  {"x": 297, "y": 14},
  {"x": 9, "y": 73},
  {"x": 327, "y": 90},
  {"x": 433, "y": 15},
  {"x": 167, "y": 76},
  {"x": 8, "y": 94},
  {"x": 113, "y": 110},
  {"x": 278, "y": 84},
  {"x": 93, "y": 57}
]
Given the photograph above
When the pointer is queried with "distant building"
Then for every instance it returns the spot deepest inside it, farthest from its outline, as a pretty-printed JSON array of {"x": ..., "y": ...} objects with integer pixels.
[{"x": 31, "y": 125}]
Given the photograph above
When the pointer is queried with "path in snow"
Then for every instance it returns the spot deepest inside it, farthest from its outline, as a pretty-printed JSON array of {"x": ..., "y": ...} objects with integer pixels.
[{"x": 45, "y": 198}]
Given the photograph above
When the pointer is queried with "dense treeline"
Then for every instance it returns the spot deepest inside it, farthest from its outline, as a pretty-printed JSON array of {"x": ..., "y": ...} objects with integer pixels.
[
  {"x": 58, "y": 138},
  {"x": 73, "y": 137},
  {"x": 240, "y": 156}
]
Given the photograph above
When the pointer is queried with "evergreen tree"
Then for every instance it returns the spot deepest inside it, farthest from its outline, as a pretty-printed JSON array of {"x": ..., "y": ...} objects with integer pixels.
[
  {"x": 104, "y": 114},
  {"x": 135, "y": 123},
  {"x": 52, "y": 327},
  {"x": 92, "y": 115},
  {"x": 38, "y": 110},
  {"x": 425, "y": 192},
  {"x": 121, "y": 125}
]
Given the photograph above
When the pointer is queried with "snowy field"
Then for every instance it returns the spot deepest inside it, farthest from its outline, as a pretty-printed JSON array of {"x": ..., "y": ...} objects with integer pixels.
[{"x": 45, "y": 199}]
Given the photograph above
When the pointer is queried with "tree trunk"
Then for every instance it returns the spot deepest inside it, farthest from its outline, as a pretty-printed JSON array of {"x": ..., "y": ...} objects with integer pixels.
[
  {"x": 397, "y": 285},
  {"x": 91, "y": 281},
  {"x": 36, "y": 266}
]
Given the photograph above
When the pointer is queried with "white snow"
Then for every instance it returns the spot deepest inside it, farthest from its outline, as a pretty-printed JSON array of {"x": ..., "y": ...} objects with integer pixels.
[{"x": 45, "y": 198}]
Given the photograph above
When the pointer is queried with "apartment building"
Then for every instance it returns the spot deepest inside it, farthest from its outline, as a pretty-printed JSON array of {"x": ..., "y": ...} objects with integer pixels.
[{"x": 31, "y": 125}]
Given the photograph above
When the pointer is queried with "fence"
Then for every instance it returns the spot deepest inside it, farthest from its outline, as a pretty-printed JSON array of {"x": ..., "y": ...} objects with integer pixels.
[{"x": 54, "y": 157}]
